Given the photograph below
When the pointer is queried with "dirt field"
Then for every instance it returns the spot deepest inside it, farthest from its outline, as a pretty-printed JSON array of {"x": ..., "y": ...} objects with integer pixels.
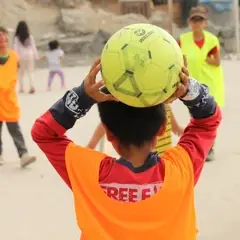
[{"x": 36, "y": 204}]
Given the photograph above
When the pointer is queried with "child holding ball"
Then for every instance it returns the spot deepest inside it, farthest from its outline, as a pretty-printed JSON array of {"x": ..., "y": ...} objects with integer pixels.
[
  {"x": 140, "y": 195},
  {"x": 164, "y": 142}
]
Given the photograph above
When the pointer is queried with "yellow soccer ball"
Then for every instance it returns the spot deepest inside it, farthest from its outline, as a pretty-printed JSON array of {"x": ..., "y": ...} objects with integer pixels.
[{"x": 140, "y": 65}]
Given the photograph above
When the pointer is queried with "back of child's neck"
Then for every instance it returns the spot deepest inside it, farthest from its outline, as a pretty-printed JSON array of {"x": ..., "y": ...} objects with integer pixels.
[
  {"x": 136, "y": 156},
  {"x": 198, "y": 35}
]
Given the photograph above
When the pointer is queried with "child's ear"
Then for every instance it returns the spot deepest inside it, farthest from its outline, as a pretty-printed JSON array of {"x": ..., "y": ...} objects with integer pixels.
[
  {"x": 162, "y": 129},
  {"x": 110, "y": 136}
]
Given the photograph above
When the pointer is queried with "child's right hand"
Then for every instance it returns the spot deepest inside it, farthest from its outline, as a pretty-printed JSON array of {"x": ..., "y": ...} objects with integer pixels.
[{"x": 92, "y": 88}]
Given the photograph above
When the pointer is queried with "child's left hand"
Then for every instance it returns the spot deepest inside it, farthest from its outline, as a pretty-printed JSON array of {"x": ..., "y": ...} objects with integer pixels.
[
  {"x": 92, "y": 87},
  {"x": 209, "y": 60},
  {"x": 182, "y": 87},
  {"x": 214, "y": 61}
]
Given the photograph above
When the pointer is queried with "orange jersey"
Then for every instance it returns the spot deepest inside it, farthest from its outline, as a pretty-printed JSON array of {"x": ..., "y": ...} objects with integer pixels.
[
  {"x": 168, "y": 215},
  {"x": 110, "y": 200},
  {"x": 9, "y": 107}
]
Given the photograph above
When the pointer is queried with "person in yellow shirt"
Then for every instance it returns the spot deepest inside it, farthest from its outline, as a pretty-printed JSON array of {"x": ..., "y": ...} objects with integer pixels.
[
  {"x": 202, "y": 50},
  {"x": 164, "y": 142},
  {"x": 9, "y": 107}
]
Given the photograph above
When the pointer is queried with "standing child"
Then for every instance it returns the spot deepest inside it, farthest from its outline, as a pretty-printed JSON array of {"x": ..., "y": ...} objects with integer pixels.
[
  {"x": 202, "y": 50},
  {"x": 164, "y": 142},
  {"x": 54, "y": 58},
  {"x": 9, "y": 106},
  {"x": 140, "y": 195},
  {"x": 25, "y": 47}
]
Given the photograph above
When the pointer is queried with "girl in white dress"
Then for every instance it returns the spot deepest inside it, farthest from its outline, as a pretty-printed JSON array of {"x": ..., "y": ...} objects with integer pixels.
[{"x": 25, "y": 47}]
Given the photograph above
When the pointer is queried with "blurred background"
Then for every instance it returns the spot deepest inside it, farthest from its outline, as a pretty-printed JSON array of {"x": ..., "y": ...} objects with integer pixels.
[
  {"x": 34, "y": 203},
  {"x": 82, "y": 26}
]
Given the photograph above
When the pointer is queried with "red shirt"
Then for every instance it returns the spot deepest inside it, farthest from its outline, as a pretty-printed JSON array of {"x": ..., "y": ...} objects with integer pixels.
[
  {"x": 118, "y": 178},
  {"x": 200, "y": 43}
]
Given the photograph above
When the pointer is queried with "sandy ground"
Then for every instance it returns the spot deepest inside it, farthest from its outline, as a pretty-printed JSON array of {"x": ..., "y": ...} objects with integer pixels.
[{"x": 36, "y": 204}]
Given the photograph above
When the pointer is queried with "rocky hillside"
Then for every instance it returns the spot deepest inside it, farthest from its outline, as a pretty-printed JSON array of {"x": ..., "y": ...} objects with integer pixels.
[
  {"x": 83, "y": 30},
  {"x": 41, "y": 18}
]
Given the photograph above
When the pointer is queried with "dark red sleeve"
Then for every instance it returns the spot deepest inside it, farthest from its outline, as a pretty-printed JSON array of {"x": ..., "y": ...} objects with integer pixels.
[
  {"x": 213, "y": 51},
  {"x": 179, "y": 43},
  {"x": 198, "y": 139},
  {"x": 49, "y": 136}
]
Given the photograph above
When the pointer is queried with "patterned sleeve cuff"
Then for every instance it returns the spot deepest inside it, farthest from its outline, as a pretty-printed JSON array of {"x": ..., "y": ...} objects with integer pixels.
[
  {"x": 198, "y": 100},
  {"x": 77, "y": 102},
  {"x": 74, "y": 105},
  {"x": 193, "y": 90}
]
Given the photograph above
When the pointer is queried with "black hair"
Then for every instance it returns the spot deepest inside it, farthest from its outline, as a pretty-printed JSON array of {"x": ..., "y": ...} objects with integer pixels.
[
  {"x": 53, "y": 45},
  {"x": 132, "y": 126},
  {"x": 22, "y": 32},
  {"x": 3, "y": 30}
]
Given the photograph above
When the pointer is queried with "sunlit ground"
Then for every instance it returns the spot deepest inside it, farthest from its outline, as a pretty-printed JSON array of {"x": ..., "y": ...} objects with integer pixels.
[{"x": 36, "y": 204}]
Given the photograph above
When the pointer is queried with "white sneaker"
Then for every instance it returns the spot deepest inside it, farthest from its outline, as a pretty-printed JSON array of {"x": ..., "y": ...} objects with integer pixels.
[
  {"x": 26, "y": 160},
  {"x": 1, "y": 160}
]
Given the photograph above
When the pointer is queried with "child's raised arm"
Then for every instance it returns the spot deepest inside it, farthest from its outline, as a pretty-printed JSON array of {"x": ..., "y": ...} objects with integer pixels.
[
  {"x": 199, "y": 135},
  {"x": 49, "y": 130}
]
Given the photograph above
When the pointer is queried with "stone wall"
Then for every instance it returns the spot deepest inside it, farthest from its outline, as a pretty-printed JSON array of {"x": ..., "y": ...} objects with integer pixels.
[
  {"x": 85, "y": 30},
  {"x": 84, "y": 27}
]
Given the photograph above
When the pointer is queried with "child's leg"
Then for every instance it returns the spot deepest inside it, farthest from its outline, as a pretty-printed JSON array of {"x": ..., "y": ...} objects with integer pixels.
[
  {"x": 1, "y": 158},
  {"x": 61, "y": 75},
  {"x": 30, "y": 71},
  {"x": 1, "y": 123},
  {"x": 22, "y": 70},
  {"x": 16, "y": 134},
  {"x": 50, "y": 79}
]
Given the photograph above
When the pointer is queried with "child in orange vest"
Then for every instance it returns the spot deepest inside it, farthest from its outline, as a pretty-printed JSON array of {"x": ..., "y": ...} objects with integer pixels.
[
  {"x": 140, "y": 195},
  {"x": 9, "y": 107}
]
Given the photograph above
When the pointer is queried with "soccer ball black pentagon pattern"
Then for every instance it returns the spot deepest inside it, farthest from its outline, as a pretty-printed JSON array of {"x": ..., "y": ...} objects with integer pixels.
[{"x": 141, "y": 65}]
